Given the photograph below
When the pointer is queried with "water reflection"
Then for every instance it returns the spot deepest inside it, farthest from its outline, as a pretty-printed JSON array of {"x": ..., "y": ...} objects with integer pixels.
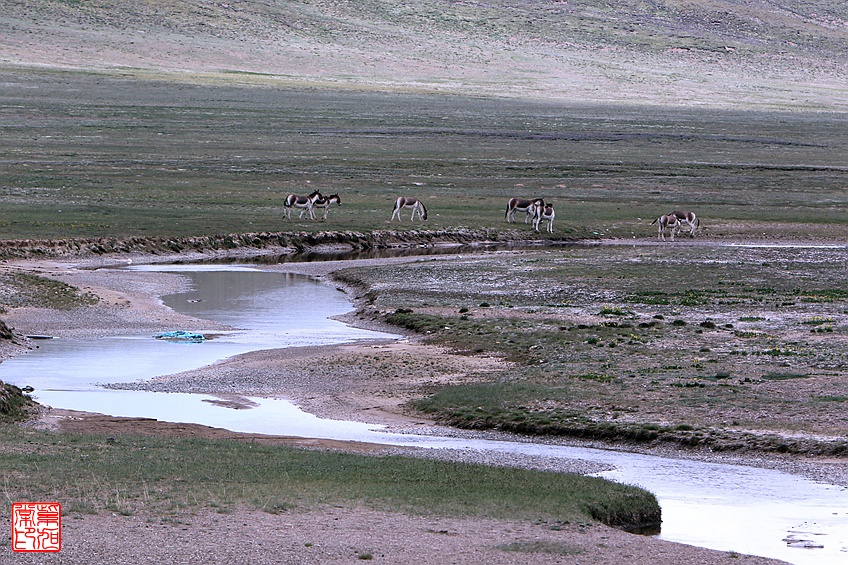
[{"x": 390, "y": 252}]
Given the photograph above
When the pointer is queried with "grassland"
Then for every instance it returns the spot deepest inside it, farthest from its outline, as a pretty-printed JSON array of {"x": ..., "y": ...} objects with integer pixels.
[{"x": 104, "y": 155}]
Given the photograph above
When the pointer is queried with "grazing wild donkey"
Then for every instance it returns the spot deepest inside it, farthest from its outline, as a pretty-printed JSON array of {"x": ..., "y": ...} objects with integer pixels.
[
  {"x": 325, "y": 201},
  {"x": 687, "y": 218},
  {"x": 669, "y": 222},
  {"x": 542, "y": 211},
  {"x": 409, "y": 202},
  {"x": 305, "y": 203},
  {"x": 521, "y": 205}
]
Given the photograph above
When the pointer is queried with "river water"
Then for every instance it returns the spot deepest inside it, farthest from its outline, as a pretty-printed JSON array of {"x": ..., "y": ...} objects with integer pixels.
[{"x": 724, "y": 507}]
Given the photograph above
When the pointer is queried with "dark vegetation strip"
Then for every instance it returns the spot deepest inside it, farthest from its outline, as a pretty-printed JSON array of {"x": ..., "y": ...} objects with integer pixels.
[
  {"x": 504, "y": 406},
  {"x": 293, "y": 241},
  {"x": 128, "y": 473}
]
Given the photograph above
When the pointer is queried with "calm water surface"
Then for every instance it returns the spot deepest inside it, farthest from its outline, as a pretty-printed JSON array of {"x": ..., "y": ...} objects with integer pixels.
[
  {"x": 266, "y": 310},
  {"x": 724, "y": 507}
]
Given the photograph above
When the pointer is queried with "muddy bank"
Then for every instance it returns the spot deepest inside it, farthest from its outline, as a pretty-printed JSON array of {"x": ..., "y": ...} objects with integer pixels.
[{"x": 261, "y": 243}]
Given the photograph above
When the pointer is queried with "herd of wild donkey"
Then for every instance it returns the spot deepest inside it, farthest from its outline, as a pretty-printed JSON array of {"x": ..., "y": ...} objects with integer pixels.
[{"x": 536, "y": 211}]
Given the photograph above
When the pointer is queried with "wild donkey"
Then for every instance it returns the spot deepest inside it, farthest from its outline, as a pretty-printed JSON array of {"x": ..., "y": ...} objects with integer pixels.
[
  {"x": 521, "y": 205},
  {"x": 687, "y": 218},
  {"x": 669, "y": 222},
  {"x": 542, "y": 211},
  {"x": 325, "y": 201},
  {"x": 409, "y": 202},
  {"x": 305, "y": 203}
]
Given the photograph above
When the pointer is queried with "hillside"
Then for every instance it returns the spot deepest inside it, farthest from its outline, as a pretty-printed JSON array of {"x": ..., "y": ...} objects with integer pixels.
[{"x": 741, "y": 53}]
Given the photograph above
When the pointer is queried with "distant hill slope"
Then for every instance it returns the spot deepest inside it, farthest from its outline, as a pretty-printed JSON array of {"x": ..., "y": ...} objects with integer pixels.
[{"x": 749, "y": 53}]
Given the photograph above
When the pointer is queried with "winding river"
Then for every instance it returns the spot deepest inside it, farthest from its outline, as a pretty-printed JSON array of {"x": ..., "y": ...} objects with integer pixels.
[{"x": 723, "y": 507}]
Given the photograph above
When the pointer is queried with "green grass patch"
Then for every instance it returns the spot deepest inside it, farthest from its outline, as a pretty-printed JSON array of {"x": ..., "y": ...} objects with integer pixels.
[
  {"x": 614, "y": 311},
  {"x": 817, "y": 321},
  {"x": 745, "y": 334},
  {"x": 521, "y": 340},
  {"x": 648, "y": 297},
  {"x": 596, "y": 377},
  {"x": 514, "y": 407},
  {"x": 824, "y": 295},
  {"x": 529, "y": 408},
  {"x": 129, "y": 474}
]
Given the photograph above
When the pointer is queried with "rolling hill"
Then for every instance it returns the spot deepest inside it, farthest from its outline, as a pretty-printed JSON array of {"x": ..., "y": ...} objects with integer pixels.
[{"x": 777, "y": 54}]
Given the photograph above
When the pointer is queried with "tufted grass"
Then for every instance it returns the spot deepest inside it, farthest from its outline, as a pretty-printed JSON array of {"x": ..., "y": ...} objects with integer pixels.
[{"x": 131, "y": 474}]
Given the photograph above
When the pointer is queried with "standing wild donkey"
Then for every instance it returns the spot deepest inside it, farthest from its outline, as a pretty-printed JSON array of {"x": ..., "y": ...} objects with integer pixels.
[
  {"x": 325, "y": 201},
  {"x": 542, "y": 211},
  {"x": 687, "y": 218},
  {"x": 521, "y": 205},
  {"x": 409, "y": 202},
  {"x": 305, "y": 203},
  {"x": 669, "y": 222}
]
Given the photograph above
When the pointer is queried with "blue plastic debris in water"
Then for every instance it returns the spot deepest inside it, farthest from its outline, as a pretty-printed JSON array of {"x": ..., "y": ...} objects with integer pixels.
[{"x": 180, "y": 335}]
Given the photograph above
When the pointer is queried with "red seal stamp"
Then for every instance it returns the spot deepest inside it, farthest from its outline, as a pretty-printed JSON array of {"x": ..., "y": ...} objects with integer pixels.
[{"x": 36, "y": 526}]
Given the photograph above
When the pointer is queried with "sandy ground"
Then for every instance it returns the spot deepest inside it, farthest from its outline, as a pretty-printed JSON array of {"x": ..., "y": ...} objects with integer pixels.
[
  {"x": 327, "y": 535},
  {"x": 342, "y": 535}
]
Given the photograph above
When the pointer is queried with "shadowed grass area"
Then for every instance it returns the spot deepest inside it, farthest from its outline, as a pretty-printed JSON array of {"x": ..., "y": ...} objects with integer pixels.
[{"x": 130, "y": 474}]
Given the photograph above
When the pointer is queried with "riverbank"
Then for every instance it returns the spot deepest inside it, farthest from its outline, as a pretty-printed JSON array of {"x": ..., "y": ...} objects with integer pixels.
[{"x": 128, "y": 303}]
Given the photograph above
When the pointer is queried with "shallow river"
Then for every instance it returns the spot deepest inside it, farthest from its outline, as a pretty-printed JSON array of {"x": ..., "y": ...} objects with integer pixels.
[{"x": 724, "y": 507}]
